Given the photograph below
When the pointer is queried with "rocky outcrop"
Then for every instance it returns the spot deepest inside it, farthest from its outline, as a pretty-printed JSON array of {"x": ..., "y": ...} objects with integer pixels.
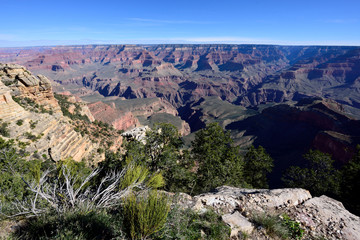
[
  {"x": 118, "y": 119},
  {"x": 24, "y": 84},
  {"x": 9, "y": 109},
  {"x": 318, "y": 216},
  {"x": 77, "y": 103},
  {"x": 138, "y": 133},
  {"x": 41, "y": 129},
  {"x": 328, "y": 217},
  {"x": 228, "y": 199},
  {"x": 148, "y": 107}
]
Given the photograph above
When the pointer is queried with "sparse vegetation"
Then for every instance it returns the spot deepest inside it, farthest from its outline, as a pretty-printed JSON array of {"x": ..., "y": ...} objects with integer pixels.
[
  {"x": 294, "y": 229},
  {"x": 279, "y": 226},
  {"x": 272, "y": 224},
  {"x": 4, "y": 130},
  {"x": 19, "y": 122},
  {"x": 65, "y": 105},
  {"x": 33, "y": 137},
  {"x": 188, "y": 224},
  {"x": 33, "y": 124}
]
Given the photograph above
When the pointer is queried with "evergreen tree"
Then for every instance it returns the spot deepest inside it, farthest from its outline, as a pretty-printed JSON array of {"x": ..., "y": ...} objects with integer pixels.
[
  {"x": 219, "y": 163},
  {"x": 257, "y": 165},
  {"x": 351, "y": 183},
  {"x": 320, "y": 177}
]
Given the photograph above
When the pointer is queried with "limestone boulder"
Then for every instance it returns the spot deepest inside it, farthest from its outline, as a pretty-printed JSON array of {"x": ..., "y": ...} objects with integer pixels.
[
  {"x": 238, "y": 223},
  {"x": 328, "y": 217}
]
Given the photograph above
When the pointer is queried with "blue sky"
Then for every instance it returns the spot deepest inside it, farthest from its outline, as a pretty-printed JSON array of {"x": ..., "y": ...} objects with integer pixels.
[{"x": 36, "y": 23}]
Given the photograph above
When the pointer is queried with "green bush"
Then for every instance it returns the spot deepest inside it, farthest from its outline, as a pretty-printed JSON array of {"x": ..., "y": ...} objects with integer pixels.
[
  {"x": 161, "y": 152},
  {"x": 280, "y": 226},
  {"x": 293, "y": 227},
  {"x": 145, "y": 215},
  {"x": 4, "y": 130},
  {"x": 33, "y": 124},
  {"x": 77, "y": 170},
  {"x": 19, "y": 122},
  {"x": 33, "y": 137},
  {"x": 351, "y": 183},
  {"x": 71, "y": 225},
  {"x": 188, "y": 224},
  {"x": 13, "y": 167},
  {"x": 272, "y": 225}
]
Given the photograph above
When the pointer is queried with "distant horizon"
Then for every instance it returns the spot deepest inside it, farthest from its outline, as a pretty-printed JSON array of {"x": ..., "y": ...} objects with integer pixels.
[
  {"x": 153, "y": 44},
  {"x": 281, "y": 22}
]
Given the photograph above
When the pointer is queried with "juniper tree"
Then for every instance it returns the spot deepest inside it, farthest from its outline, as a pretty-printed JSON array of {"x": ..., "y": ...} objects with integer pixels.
[{"x": 219, "y": 163}]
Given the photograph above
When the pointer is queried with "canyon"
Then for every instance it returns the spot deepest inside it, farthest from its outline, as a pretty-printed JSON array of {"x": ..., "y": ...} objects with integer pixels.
[
  {"x": 286, "y": 98},
  {"x": 246, "y": 75}
]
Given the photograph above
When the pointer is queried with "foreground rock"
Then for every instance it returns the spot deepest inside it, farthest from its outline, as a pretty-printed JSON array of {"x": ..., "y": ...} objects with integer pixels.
[
  {"x": 319, "y": 216},
  {"x": 326, "y": 215}
]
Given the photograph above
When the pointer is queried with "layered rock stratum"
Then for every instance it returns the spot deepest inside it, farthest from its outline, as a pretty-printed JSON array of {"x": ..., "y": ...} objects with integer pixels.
[
  {"x": 35, "y": 119},
  {"x": 243, "y": 74}
]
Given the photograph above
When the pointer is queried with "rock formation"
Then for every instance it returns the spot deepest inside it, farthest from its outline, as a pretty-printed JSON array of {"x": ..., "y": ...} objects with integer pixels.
[
  {"x": 35, "y": 120},
  {"x": 118, "y": 119},
  {"x": 244, "y": 74},
  {"x": 77, "y": 102},
  {"x": 138, "y": 133},
  {"x": 319, "y": 216},
  {"x": 26, "y": 85}
]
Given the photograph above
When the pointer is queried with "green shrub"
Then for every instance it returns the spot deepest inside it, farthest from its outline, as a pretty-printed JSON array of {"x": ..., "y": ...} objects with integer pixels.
[
  {"x": 19, "y": 122},
  {"x": 188, "y": 224},
  {"x": 77, "y": 170},
  {"x": 272, "y": 224},
  {"x": 33, "y": 137},
  {"x": 319, "y": 176},
  {"x": 145, "y": 215},
  {"x": 13, "y": 167},
  {"x": 280, "y": 226},
  {"x": 71, "y": 225},
  {"x": 4, "y": 130},
  {"x": 293, "y": 227},
  {"x": 33, "y": 124}
]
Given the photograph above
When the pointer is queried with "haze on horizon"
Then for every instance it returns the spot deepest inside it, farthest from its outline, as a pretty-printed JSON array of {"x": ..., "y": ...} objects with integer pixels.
[{"x": 40, "y": 23}]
